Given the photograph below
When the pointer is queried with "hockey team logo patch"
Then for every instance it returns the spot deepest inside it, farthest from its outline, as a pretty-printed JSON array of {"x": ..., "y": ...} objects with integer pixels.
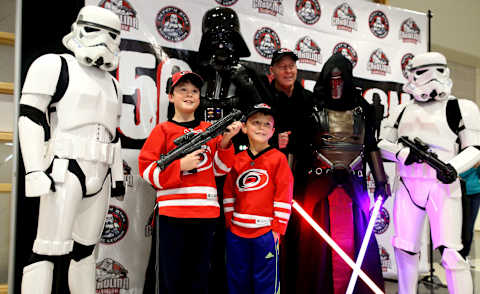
[
  {"x": 378, "y": 63},
  {"x": 124, "y": 10},
  {"x": 344, "y": 18},
  {"x": 266, "y": 41},
  {"x": 378, "y": 23},
  {"x": 226, "y": 2},
  {"x": 404, "y": 63},
  {"x": 382, "y": 222},
  {"x": 116, "y": 226},
  {"x": 308, "y": 51},
  {"x": 409, "y": 31},
  {"x": 111, "y": 277},
  {"x": 346, "y": 51},
  {"x": 252, "y": 179},
  {"x": 173, "y": 24},
  {"x": 308, "y": 11},
  {"x": 385, "y": 259},
  {"x": 272, "y": 7}
]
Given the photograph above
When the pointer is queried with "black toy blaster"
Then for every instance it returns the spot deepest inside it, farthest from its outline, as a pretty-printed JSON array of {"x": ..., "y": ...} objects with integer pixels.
[
  {"x": 191, "y": 141},
  {"x": 419, "y": 152}
]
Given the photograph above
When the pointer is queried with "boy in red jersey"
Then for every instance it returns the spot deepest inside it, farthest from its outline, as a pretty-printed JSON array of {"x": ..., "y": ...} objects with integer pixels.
[
  {"x": 186, "y": 191},
  {"x": 257, "y": 204}
]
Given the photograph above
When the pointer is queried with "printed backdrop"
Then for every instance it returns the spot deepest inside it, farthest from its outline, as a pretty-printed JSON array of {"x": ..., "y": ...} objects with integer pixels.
[{"x": 161, "y": 37}]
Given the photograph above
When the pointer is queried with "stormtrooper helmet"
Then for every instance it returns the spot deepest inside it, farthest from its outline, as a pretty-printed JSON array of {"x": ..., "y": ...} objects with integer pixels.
[
  {"x": 95, "y": 38},
  {"x": 428, "y": 77}
]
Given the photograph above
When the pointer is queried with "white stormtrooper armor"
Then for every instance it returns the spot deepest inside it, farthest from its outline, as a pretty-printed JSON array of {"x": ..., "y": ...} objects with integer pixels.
[
  {"x": 69, "y": 112},
  {"x": 451, "y": 128}
]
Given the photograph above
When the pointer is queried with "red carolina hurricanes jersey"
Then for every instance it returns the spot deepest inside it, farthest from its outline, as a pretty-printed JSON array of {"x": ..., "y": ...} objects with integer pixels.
[
  {"x": 184, "y": 194},
  {"x": 258, "y": 193}
]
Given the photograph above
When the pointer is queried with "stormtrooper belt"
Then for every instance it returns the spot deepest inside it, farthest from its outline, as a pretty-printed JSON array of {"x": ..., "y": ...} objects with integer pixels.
[{"x": 74, "y": 147}]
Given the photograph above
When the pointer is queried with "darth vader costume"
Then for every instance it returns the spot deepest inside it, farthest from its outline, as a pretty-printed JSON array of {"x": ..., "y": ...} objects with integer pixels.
[
  {"x": 229, "y": 83},
  {"x": 337, "y": 142}
]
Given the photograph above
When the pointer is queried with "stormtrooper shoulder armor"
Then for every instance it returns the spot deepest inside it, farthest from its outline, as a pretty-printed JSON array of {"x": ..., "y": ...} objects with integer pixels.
[
  {"x": 390, "y": 125},
  {"x": 43, "y": 75},
  {"x": 470, "y": 114}
]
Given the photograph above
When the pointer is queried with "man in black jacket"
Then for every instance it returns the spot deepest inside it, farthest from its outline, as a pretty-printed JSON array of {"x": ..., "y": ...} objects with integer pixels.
[{"x": 289, "y": 100}]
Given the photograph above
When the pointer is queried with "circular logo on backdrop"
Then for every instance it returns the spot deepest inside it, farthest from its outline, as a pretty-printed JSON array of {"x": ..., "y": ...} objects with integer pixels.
[
  {"x": 378, "y": 23},
  {"x": 266, "y": 41},
  {"x": 252, "y": 179},
  {"x": 378, "y": 63},
  {"x": 308, "y": 11},
  {"x": 116, "y": 225},
  {"x": 382, "y": 222},
  {"x": 404, "y": 63},
  {"x": 409, "y": 31},
  {"x": 346, "y": 51},
  {"x": 172, "y": 24},
  {"x": 308, "y": 51},
  {"x": 226, "y": 2}
]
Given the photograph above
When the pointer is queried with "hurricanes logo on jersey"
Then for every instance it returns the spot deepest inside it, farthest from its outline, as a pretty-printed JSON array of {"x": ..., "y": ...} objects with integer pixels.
[
  {"x": 308, "y": 51},
  {"x": 409, "y": 31},
  {"x": 124, "y": 10},
  {"x": 111, "y": 277},
  {"x": 344, "y": 18},
  {"x": 346, "y": 51},
  {"x": 172, "y": 24},
  {"x": 404, "y": 63},
  {"x": 272, "y": 7},
  {"x": 378, "y": 63},
  {"x": 378, "y": 23},
  {"x": 308, "y": 11},
  {"x": 266, "y": 41},
  {"x": 252, "y": 179}
]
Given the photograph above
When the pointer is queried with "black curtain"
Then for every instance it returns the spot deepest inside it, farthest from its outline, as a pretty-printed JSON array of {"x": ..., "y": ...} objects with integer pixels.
[{"x": 44, "y": 23}]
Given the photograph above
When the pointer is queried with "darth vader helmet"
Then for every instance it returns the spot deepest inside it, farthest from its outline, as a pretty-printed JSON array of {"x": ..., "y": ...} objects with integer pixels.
[
  {"x": 222, "y": 44},
  {"x": 428, "y": 77},
  {"x": 95, "y": 38}
]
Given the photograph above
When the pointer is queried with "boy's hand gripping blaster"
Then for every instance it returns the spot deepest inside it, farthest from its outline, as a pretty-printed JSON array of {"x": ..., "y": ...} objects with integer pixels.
[{"x": 191, "y": 141}]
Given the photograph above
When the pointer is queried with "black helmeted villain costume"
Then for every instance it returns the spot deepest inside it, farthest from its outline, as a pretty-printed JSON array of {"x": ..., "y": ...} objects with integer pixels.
[{"x": 337, "y": 142}]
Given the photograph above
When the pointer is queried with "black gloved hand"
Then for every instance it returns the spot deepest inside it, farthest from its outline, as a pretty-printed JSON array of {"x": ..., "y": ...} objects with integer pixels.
[
  {"x": 412, "y": 158},
  {"x": 448, "y": 176},
  {"x": 119, "y": 190},
  {"x": 382, "y": 189},
  {"x": 240, "y": 77}
]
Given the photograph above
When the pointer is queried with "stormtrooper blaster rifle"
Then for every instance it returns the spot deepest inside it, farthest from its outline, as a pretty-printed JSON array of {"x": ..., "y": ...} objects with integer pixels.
[
  {"x": 446, "y": 173},
  {"x": 191, "y": 141}
]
